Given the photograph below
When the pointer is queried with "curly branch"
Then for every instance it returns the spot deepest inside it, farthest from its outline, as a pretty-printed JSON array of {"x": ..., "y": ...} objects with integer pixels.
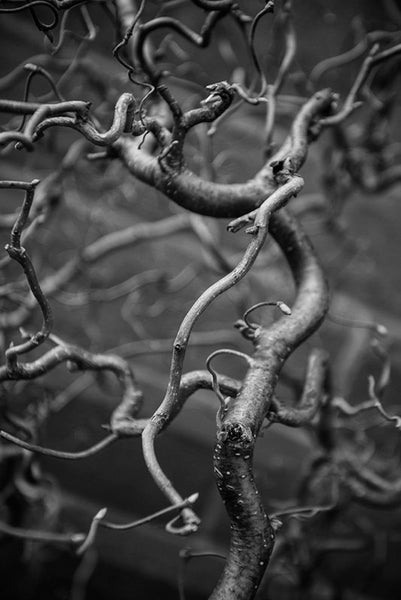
[
  {"x": 81, "y": 359},
  {"x": 252, "y": 542},
  {"x": 162, "y": 416},
  {"x": 226, "y": 200},
  {"x": 312, "y": 395},
  {"x": 19, "y": 254}
]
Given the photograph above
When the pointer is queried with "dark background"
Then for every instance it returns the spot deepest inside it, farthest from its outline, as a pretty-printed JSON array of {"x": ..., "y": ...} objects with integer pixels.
[{"x": 365, "y": 284}]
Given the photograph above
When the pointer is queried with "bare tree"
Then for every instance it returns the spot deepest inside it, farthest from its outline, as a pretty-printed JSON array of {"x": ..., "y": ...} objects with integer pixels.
[{"x": 169, "y": 120}]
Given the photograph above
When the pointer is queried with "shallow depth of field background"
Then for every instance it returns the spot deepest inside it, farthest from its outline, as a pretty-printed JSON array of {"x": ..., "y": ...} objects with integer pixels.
[{"x": 366, "y": 284}]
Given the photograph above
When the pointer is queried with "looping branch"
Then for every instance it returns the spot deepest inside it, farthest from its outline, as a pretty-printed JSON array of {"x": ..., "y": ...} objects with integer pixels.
[
  {"x": 312, "y": 398},
  {"x": 82, "y": 359},
  {"x": 215, "y": 378},
  {"x": 198, "y": 39},
  {"x": 250, "y": 330},
  {"x": 39, "y": 113}
]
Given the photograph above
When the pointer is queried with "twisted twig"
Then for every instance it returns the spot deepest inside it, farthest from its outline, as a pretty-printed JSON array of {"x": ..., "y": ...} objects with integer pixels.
[{"x": 162, "y": 416}]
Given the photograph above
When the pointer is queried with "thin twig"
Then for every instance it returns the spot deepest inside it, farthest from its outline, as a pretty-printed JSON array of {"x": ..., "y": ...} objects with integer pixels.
[
  {"x": 162, "y": 415},
  {"x": 91, "y": 451}
]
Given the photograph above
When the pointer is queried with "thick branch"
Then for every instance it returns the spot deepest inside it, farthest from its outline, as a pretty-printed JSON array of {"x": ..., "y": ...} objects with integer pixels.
[
  {"x": 225, "y": 200},
  {"x": 162, "y": 416},
  {"x": 252, "y": 535}
]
